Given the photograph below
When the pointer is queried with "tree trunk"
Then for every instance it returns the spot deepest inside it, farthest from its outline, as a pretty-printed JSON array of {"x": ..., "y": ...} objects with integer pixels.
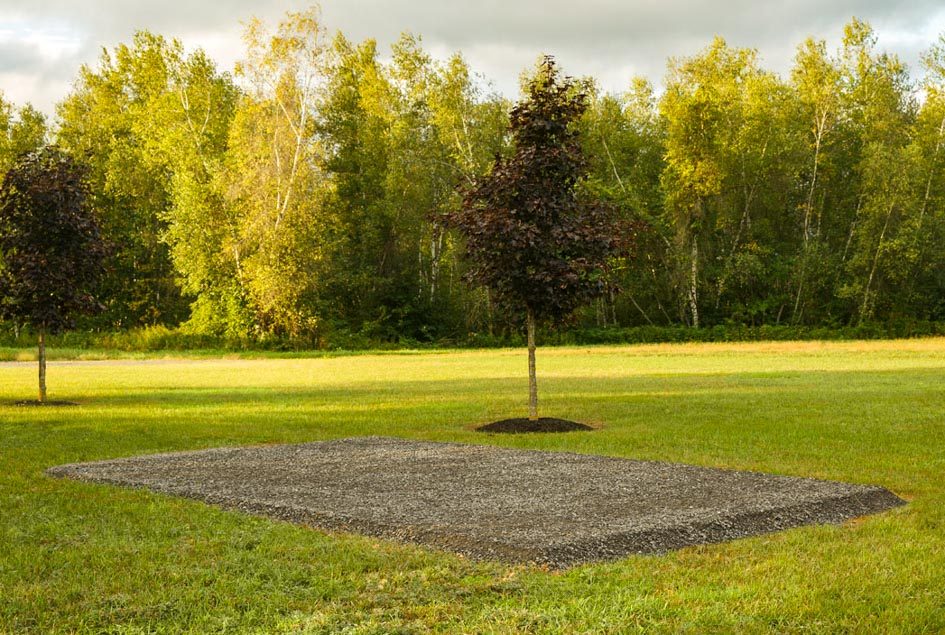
[
  {"x": 490, "y": 313},
  {"x": 928, "y": 184},
  {"x": 809, "y": 208},
  {"x": 42, "y": 364},
  {"x": 613, "y": 305},
  {"x": 532, "y": 379},
  {"x": 796, "y": 316},
  {"x": 808, "y": 214},
  {"x": 693, "y": 283},
  {"x": 864, "y": 309},
  {"x": 639, "y": 308}
]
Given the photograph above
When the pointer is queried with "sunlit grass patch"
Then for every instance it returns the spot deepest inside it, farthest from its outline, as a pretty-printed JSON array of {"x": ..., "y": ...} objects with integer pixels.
[{"x": 80, "y": 557}]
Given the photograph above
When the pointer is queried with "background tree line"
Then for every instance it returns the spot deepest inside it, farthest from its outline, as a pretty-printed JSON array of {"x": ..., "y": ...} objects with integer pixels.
[{"x": 300, "y": 195}]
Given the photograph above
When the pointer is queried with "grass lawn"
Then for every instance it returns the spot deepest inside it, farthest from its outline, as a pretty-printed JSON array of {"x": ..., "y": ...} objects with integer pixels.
[{"x": 78, "y": 557}]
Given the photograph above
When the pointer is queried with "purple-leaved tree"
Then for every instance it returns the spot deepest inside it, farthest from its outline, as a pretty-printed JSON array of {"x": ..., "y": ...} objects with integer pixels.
[
  {"x": 51, "y": 249},
  {"x": 532, "y": 237}
]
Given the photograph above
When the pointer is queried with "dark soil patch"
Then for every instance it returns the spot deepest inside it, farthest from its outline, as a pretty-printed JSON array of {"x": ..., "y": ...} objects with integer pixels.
[
  {"x": 553, "y": 508},
  {"x": 34, "y": 402},
  {"x": 544, "y": 424}
]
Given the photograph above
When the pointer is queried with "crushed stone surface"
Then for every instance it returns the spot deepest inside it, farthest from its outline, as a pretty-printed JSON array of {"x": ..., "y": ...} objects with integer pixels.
[{"x": 524, "y": 506}]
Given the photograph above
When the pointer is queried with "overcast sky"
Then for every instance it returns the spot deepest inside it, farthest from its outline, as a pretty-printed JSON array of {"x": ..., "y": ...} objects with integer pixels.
[{"x": 44, "y": 42}]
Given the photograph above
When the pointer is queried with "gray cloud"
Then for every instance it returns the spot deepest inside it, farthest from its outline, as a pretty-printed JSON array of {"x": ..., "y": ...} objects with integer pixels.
[
  {"x": 600, "y": 37},
  {"x": 20, "y": 57},
  {"x": 610, "y": 39},
  {"x": 110, "y": 17}
]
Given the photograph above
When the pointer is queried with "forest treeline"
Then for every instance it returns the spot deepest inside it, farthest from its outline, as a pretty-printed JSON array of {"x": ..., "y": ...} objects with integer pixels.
[{"x": 298, "y": 196}]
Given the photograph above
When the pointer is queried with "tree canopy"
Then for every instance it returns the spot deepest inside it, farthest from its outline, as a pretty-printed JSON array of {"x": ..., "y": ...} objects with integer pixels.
[
  {"x": 297, "y": 196},
  {"x": 539, "y": 244},
  {"x": 51, "y": 250}
]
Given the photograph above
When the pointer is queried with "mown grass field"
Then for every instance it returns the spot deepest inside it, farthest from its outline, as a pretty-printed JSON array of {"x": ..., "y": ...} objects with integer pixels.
[{"x": 89, "y": 558}]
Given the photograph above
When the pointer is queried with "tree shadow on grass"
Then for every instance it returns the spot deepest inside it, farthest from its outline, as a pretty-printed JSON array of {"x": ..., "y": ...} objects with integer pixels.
[{"x": 44, "y": 404}]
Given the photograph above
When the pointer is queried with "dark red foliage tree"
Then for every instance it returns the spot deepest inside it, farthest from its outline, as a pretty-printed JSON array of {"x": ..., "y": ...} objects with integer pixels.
[
  {"x": 532, "y": 238},
  {"x": 51, "y": 250}
]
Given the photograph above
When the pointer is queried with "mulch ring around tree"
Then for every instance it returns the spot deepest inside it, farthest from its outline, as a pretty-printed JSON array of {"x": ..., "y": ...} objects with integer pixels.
[
  {"x": 36, "y": 402},
  {"x": 544, "y": 424},
  {"x": 554, "y": 509}
]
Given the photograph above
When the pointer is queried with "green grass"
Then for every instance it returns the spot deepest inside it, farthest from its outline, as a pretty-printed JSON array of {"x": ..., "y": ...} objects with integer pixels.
[{"x": 78, "y": 557}]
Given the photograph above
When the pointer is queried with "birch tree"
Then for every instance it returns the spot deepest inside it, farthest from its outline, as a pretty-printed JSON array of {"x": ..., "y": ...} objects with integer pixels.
[{"x": 275, "y": 179}]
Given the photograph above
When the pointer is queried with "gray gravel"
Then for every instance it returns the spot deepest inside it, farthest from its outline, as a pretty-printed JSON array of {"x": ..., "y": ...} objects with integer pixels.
[{"x": 551, "y": 508}]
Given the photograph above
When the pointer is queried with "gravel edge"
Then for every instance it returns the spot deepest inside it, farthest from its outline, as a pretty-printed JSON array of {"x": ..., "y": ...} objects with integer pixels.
[{"x": 827, "y": 510}]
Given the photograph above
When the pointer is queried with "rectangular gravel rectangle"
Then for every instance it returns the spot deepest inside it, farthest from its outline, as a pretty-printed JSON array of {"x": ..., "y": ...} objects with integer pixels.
[{"x": 552, "y": 508}]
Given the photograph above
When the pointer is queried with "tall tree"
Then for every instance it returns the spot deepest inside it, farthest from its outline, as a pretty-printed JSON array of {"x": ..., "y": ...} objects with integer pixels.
[
  {"x": 275, "y": 180},
  {"x": 623, "y": 139},
  {"x": 51, "y": 250},
  {"x": 883, "y": 253},
  {"x": 400, "y": 137},
  {"x": 816, "y": 82},
  {"x": 530, "y": 237},
  {"x": 111, "y": 120},
  {"x": 202, "y": 228},
  {"x": 355, "y": 122},
  {"x": 730, "y": 159},
  {"x": 880, "y": 111},
  {"x": 927, "y": 281},
  {"x": 470, "y": 121}
]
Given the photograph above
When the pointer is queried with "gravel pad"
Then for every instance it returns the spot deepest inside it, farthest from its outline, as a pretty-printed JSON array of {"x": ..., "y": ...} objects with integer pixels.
[{"x": 550, "y": 508}]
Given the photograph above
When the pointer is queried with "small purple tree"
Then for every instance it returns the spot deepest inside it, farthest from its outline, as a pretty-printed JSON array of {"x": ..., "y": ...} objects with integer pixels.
[
  {"x": 532, "y": 238},
  {"x": 51, "y": 249}
]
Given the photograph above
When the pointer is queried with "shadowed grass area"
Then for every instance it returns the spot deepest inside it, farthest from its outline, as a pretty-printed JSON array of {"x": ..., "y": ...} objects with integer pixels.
[{"x": 81, "y": 557}]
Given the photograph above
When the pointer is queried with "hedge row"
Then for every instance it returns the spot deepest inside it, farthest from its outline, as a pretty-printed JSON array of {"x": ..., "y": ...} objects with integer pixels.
[{"x": 160, "y": 338}]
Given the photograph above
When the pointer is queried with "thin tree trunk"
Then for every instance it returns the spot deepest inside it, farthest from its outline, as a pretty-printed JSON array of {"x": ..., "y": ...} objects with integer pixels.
[
  {"x": 639, "y": 308},
  {"x": 613, "y": 306},
  {"x": 693, "y": 283},
  {"x": 532, "y": 379},
  {"x": 808, "y": 212},
  {"x": 808, "y": 215},
  {"x": 490, "y": 313},
  {"x": 920, "y": 251},
  {"x": 421, "y": 274},
  {"x": 656, "y": 284},
  {"x": 856, "y": 216},
  {"x": 613, "y": 165},
  {"x": 795, "y": 315},
  {"x": 436, "y": 252},
  {"x": 869, "y": 282},
  {"x": 928, "y": 183},
  {"x": 42, "y": 364},
  {"x": 743, "y": 225}
]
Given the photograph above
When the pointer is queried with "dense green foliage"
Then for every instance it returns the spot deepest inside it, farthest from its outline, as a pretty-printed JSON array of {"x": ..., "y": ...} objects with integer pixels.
[
  {"x": 296, "y": 197},
  {"x": 84, "y": 558},
  {"x": 20, "y": 132}
]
